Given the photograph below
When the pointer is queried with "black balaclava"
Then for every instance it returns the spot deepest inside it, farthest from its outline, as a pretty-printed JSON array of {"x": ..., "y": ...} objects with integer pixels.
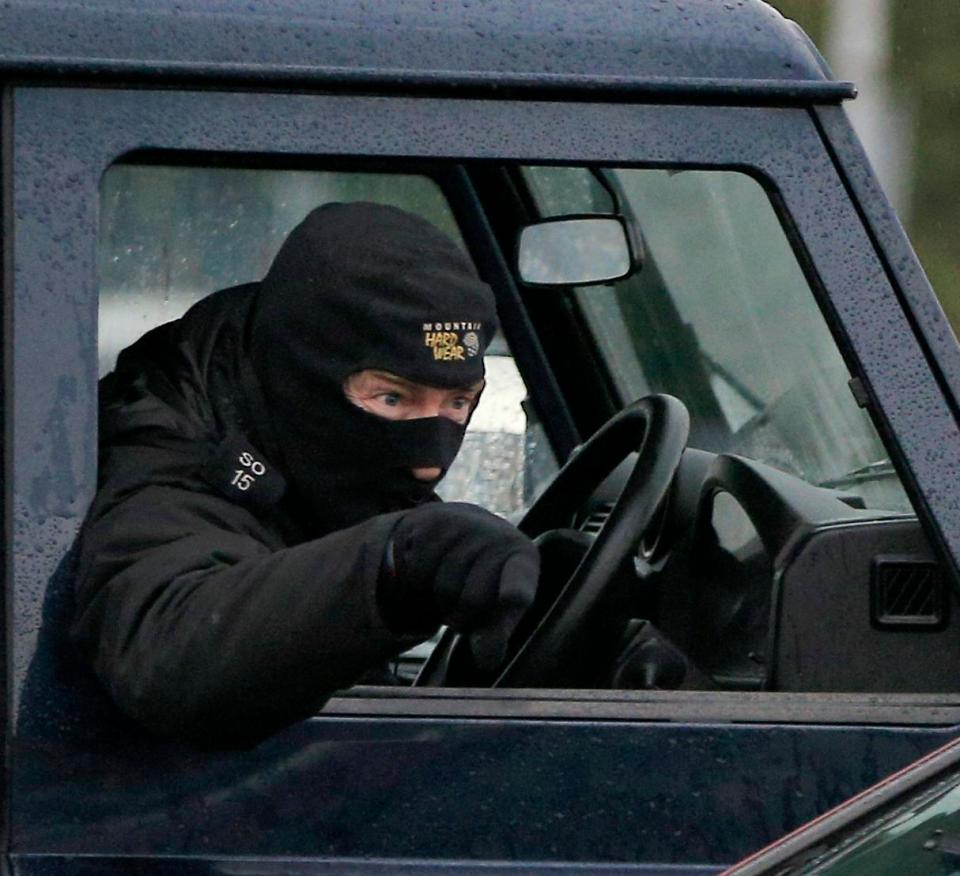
[{"x": 359, "y": 286}]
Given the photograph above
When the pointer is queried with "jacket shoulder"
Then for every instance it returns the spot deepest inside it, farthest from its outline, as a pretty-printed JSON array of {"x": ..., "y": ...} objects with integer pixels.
[
  {"x": 162, "y": 381},
  {"x": 169, "y": 403}
]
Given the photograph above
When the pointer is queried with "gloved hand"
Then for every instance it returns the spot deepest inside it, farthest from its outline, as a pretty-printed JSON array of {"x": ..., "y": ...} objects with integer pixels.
[{"x": 455, "y": 563}]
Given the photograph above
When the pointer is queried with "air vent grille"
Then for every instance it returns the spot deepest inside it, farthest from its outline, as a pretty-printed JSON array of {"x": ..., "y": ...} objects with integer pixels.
[
  {"x": 596, "y": 518},
  {"x": 908, "y": 593}
]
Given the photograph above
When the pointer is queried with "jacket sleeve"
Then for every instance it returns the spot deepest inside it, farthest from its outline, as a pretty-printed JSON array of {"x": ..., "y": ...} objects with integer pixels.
[{"x": 202, "y": 629}]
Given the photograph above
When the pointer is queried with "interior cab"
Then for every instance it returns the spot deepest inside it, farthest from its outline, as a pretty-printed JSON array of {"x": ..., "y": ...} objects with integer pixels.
[{"x": 781, "y": 551}]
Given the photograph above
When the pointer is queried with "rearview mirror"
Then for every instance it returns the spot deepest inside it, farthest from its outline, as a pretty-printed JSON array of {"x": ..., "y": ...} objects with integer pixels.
[{"x": 574, "y": 251}]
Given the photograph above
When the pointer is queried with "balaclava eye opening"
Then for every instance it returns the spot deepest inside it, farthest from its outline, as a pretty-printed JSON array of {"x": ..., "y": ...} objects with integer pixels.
[{"x": 364, "y": 286}]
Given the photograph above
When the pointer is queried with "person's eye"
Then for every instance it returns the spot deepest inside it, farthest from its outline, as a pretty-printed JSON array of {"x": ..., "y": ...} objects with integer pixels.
[
  {"x": 391, "y": 399},
  {"x": 461, "y": 403}
]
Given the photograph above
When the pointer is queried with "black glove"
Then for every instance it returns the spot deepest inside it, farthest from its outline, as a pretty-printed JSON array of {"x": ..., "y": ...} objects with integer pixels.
[{"x": 457, "y": 564}]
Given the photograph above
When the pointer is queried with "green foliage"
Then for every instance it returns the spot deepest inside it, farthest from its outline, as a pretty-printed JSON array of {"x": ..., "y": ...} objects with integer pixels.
[
  {"x": 925, "y": 73},
  {"x": 926, "y": 70},
  {"x": 811, "y": 15}
]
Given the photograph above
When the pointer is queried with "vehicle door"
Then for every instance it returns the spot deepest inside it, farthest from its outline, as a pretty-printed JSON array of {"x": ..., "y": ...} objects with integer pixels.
[{"x": 397, "y": 777}]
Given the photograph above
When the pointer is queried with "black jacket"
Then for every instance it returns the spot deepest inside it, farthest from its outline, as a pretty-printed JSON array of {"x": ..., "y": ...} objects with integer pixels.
[{"x": 212, "y": 618}]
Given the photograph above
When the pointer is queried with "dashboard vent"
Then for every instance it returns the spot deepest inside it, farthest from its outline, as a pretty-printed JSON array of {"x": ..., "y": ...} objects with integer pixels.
[
  {"x": 908, "y": 593},
  {"x": 596, "y": 518}
]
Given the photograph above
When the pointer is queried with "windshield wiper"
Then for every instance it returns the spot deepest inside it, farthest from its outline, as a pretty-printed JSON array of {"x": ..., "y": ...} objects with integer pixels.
[{"x": 872, "y": 471}]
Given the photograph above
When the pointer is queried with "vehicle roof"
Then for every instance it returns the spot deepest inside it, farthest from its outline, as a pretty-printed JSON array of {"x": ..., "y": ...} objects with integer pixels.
[{"x": 739, "y": 47}]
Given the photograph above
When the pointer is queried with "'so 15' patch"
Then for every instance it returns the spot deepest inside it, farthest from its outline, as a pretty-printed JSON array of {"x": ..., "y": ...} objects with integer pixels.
[{"x": 240, "y": 473}]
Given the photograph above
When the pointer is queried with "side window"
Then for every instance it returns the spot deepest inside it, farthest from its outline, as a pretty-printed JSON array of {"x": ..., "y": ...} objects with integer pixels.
[{"x": 172, "y": 234}]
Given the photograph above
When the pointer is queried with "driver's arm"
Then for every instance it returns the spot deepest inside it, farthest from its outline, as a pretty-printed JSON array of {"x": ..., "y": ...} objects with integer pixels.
[{"x": 204, "y": 627}]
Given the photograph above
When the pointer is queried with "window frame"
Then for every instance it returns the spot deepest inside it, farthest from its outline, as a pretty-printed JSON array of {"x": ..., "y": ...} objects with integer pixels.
[{"x": 66, "y": 138}]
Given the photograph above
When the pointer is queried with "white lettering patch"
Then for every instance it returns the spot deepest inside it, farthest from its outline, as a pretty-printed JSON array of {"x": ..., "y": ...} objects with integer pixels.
[{"x": 246, "y": 477}]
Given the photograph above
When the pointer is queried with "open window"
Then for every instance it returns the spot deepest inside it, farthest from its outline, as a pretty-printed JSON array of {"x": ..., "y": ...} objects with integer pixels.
[
  {"x": 172, "y": 233},
  {"x": 719, "y": 313}
]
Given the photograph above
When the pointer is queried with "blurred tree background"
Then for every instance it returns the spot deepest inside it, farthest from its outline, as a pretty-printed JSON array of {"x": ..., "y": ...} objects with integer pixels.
[{"x": 905, "y": 59}]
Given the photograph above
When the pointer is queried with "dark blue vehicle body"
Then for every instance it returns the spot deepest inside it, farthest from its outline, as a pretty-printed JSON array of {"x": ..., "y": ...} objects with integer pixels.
[{"x": 437, "y": 780}]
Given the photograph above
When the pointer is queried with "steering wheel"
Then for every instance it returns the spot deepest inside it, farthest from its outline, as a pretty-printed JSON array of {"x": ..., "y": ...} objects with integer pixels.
[{"x": 656, "y": 427}]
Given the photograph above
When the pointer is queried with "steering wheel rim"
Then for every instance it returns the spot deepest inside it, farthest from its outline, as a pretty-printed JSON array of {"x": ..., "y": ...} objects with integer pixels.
[{"x": 657, "y": 427}]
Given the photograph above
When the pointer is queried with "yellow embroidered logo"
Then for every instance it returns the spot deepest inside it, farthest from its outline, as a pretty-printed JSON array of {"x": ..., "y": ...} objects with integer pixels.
[
  {"x": 452, "y": 341},
  {"x": 445, "y": 345}
]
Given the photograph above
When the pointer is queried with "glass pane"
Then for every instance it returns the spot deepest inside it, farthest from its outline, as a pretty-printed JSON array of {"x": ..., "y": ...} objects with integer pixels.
[{"x": 722, "y": 317}]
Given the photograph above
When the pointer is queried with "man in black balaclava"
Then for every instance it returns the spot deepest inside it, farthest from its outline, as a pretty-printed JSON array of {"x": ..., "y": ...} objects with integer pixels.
[{"x": 266, "y": 530}]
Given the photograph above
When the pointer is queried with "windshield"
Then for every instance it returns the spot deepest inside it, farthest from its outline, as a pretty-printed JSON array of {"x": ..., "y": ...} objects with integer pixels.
[{"x": 721, "y": 316}]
